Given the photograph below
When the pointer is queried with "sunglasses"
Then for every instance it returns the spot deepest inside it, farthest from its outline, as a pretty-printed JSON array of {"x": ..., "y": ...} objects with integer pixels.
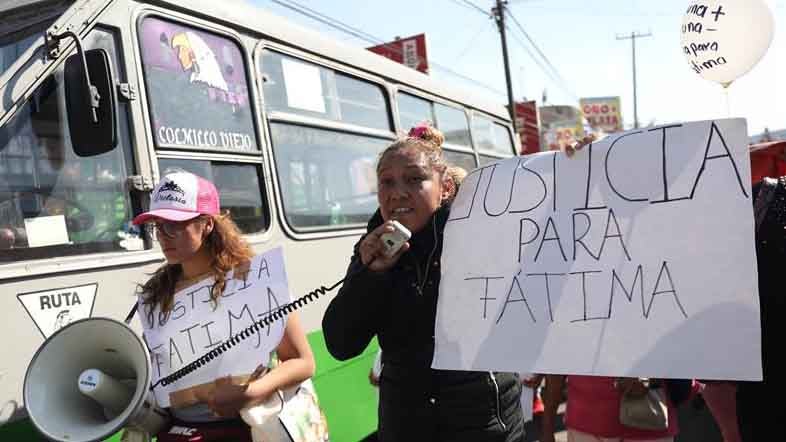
[{"x": 171, "y": 229}]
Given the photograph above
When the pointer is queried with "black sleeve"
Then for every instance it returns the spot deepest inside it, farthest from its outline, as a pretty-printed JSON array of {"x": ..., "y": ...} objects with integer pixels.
[
  {"x": 755, "y": 190},
  {"x": 354, "y": 315}
]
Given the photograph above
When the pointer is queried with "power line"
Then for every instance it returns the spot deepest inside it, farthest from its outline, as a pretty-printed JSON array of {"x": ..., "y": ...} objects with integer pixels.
[
  {"x": 339, "y": 25},
  {"x": 550, "y": 71},
  {"x": 327, "y": 20},
  {"x": 535, "y": 59},
  {"x": 362, "y": 35},
  {"x": 543, "y": 56},
  {"x": 557, "y": 81},
  {"x": 470, "y": 43},
  {"x": 469, "y": 4}
]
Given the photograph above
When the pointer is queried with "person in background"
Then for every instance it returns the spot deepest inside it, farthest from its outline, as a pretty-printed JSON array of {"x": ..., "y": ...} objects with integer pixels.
[
  {"x": 456, "y": 175},
  {"x": 721, "y": 399},
  {"x": 593, "y": 410},
  {"x": 593, "y": 406},
  {"x": 533, "y": 382},
  {"x": 760, "y": 412},
  {"x": 395, "y": 298},
  {"x": 199, "y": 242}
]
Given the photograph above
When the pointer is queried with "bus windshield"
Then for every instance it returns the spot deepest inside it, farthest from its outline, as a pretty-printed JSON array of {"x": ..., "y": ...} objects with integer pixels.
[
  {"x": 22, "y": 26},
  {"x": 12, "y": 47},
  {"x": 53, "y": 202}
]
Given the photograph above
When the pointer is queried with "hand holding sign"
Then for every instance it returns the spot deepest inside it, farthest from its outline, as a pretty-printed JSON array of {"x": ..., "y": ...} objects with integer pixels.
[
  {"x": 723, "y": 39},
  {"x": 227, "y": 398}
]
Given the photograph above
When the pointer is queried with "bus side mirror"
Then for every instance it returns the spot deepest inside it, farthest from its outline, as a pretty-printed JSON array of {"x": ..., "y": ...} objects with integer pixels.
[{"x": 90, "y": 103}]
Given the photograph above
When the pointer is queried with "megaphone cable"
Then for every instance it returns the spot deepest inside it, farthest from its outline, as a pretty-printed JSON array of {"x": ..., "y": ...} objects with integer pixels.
[{"x": 279, "y": 313}]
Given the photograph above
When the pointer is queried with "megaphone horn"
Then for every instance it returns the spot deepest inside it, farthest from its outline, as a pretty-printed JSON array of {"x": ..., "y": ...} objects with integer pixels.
[{"x": 88, "y": 381}]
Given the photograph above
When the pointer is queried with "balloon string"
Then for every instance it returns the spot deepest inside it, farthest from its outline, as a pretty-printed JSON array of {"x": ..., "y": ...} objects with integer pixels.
[{"x": 728, "y": 105}]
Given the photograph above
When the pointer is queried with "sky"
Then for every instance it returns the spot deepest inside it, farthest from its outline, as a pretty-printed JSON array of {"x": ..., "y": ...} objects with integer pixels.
[{"x": 579, "y": 38}]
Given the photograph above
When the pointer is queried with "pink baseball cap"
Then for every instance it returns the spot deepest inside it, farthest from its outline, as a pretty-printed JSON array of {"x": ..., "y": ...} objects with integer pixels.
[{"x": 181, "y": 196}]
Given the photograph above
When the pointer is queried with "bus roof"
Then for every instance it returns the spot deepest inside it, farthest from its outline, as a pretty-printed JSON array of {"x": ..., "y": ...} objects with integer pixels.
[{"x": 276, "y": 28}]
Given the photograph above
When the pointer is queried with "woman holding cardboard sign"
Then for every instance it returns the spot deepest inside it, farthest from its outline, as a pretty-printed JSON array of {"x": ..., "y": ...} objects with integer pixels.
[
  {"x": 200, "y": 243},
  {"x": 395, "y": 298}
]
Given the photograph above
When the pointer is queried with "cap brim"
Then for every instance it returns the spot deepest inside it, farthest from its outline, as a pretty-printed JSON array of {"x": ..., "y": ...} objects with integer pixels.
[{"x": 167, "y": 214}]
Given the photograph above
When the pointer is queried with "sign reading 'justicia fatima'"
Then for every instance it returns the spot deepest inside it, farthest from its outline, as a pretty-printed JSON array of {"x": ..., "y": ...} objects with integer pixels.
[
  {"x": 630, "y": 259},
  {"x": 197, "y": 324}
]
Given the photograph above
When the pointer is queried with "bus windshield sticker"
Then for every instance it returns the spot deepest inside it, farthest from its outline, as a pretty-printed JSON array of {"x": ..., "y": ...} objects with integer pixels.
[
  {"x": 53, "y": 309},
  {"x": 46, "y": 231},
  {"x": 303, "y": 85},
  {"x": 197, "y": 88}
]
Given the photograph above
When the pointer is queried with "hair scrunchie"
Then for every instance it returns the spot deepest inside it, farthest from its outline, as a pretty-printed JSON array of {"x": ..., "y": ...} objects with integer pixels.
[{"x": 419, "y": 130}]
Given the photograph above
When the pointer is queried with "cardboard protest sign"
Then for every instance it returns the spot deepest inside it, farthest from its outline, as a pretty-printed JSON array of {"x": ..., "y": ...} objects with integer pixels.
[
  {"x": 196, "y": 325},
  {"x": 634, "y": 258}
]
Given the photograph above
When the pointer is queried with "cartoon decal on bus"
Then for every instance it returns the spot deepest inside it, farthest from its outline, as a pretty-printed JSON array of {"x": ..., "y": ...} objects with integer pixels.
[
  {"x": 208, "y": 107},
  {"x": 196, "y": 56}
]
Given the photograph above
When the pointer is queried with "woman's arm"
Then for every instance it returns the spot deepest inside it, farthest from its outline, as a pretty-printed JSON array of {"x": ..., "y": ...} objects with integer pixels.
[
  {"x": 354, "y": 315},
  {"x": 296, "y": 363}
]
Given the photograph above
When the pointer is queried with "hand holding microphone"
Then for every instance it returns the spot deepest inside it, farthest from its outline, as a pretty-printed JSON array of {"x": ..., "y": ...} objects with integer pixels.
[{"x": 383, "y": 246}]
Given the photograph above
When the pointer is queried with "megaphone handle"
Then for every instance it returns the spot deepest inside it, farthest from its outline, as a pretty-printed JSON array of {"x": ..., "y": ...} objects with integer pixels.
[{"x": 280, "y": 313}]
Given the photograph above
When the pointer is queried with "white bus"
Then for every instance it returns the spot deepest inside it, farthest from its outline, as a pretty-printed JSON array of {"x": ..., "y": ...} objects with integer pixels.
[{"x": 286, "y": 122}]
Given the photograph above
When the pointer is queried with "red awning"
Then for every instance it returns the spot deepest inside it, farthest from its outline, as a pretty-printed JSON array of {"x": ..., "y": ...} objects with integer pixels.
[{"x": 768, "y": 160}]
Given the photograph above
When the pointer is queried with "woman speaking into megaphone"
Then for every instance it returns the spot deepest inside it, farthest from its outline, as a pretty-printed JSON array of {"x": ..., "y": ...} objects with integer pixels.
[{"x": 200, "y": 243}]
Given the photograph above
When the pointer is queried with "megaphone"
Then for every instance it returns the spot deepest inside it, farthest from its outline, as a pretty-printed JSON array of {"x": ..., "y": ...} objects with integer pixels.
[{"x": 89, "y": 380}]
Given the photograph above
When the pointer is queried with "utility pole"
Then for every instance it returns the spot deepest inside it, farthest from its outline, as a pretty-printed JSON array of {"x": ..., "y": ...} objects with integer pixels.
[
  {"x": 632, "y": 37},
  {"x": 498, "y": 12}
]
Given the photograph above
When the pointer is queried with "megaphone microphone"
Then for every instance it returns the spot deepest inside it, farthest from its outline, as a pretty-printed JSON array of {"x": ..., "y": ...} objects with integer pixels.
[
  {"x": 105, "y": 390},
  {"x": 89, "y": 380}
]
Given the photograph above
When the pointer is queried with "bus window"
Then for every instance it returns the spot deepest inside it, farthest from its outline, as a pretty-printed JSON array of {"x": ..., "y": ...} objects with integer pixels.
[
  {"x": 485, "y": 159},
  {"x": 239, "y": 185},
  {"x": 327, "y": 178},
  {"x": 53, "y": 203},
  {"x": 491, "y": 137},
  {"x": 197, "y": 88},
  {"x": 413, "y": 110},
  {"x": 502, "y": 140},
  {"x": 465, "y": 160},
  {"x": 454, "y": 125},
  {"x": 299, "y": 87}
]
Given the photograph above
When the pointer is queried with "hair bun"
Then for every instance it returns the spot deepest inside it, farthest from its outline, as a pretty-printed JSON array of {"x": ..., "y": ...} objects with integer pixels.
[{"x": 426, "y": 132}]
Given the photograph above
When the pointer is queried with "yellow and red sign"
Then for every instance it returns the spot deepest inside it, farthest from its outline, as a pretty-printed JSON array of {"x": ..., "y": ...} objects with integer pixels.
[{"x": 602, "y": 113}]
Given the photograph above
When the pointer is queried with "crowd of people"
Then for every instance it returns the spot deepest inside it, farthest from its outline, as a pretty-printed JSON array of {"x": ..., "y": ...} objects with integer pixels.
[{"x": 394, "y": 298}]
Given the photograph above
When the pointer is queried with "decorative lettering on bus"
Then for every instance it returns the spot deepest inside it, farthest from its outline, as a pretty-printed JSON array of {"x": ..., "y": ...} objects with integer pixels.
[{"x": 191, "y": 137}]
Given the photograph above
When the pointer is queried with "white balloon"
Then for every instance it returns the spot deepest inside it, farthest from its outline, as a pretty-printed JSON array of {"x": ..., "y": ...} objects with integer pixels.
[{"x": 724, "y": 39}]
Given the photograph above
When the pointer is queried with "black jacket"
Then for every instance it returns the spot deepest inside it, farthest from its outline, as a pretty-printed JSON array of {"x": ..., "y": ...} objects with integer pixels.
[
  {"x": 759, "y": 408},
  {"x": 399, "y": 307}
]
